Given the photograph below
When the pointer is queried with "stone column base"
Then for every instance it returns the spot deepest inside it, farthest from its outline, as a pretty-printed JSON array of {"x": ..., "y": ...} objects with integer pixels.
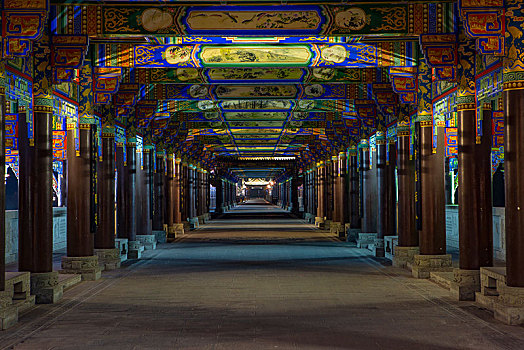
[
  {"x": 160, "y": 236},
  {"x": 8, "y": 311},
  {"x": 351, "y": 233},
  {"x": 108, "y": 259},
  {"x": 390, "y": 244},
  {"x": 327, "y": 224},
  {"x": 186, "y": 226},
  {"x": 122, "y": 244},
  {"x": 135, "y": 250},
  {"x": 87, "y": 266},
  {"x": 507, "y": 303},
  {"x": 45, "y": 287},
  {"x": 377, "y": 247},
  {"x": 404, "y": 255},
  {"x": 337, "y": 228},
  {"x": 365, "y": 239},
  {"x": 424, "y": 264},
  {"x": 320, "y": 222},
  {"x": 465, "y": 284},
  {"x": 148, "y": 241},
  {"x": 193, "y": 223}
]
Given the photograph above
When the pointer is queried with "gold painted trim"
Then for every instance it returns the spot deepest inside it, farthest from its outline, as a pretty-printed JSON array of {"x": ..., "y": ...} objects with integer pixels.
[
  {"x": 466, "y": 107},
  {"x": 426, "y": 123},
  {"x": 513, "y": 85},
  {"x": 43, "y": 109},
  {"x": 84, "y": 126}
]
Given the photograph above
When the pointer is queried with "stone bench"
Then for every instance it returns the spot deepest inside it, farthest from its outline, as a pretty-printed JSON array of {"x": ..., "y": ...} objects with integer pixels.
[
  {"x": 507, "y": 303},
  {"x": 390, "y": 243},
  {"x": 15, "y": 298},
  {"x": 122, "y": 244},
  {"x": 148, "y": 241},
  {"x": 364, "y": 240}
]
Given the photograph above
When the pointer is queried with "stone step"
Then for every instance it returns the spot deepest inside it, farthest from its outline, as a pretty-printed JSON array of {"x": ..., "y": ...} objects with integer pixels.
[
  {"x": 443, "y": 279},
  {"x": 69, "y": 280}
]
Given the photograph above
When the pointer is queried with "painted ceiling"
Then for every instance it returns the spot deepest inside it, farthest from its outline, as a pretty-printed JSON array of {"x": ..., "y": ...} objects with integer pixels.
[{"x": 251, "y": 79}]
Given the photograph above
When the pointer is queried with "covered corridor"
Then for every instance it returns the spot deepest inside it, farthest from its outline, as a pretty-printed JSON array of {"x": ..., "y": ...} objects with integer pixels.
[{"x": 231, "y": 285}]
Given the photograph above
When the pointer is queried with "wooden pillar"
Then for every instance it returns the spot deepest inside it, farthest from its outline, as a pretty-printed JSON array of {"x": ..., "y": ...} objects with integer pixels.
[
  {"x": 178, "y": 182},
  {"x": 343, "y": 192},
  {"x": 407, "y": 232},
  {"x": 130, "y": 189},
  {"x": 144, "y": 227},
  {"x": 80, "y": 240},
  {"x": 2, "y": 189},
  {"x": 169, "y": 193},
  {"x": 391, "y": 200},
  {"x": 474, "y": 171},
  {"x": 158, "y": 194},
  {"x": 514, "y": 177},
  {"x": 354, "y": 189},
  {"x": 121, "y": 208},
  {"x": 328, "y": 191},
  {"x": 321, "y": 208},
  {"x": 335, "y": 189},
  {"x": 367, "y": 217},
  {"x": 381, "y": 184},
  {"x": 105, "y": 234}
]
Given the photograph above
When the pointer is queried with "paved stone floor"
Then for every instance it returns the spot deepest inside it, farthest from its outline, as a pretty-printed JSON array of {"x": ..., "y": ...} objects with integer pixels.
[{"x": 248, "y": 281}]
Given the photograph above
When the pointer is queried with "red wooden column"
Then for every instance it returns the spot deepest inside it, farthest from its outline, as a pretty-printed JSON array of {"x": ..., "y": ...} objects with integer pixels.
[
  {"x": 2, "y": 169},
  {"x": 382, "y": 191},
  {"x": 178, "y": 182},
  {"x": 159, "y": 200},
  {"x": 108, "y": 255},
  {"x": 321, "y": 207},
  {"x": 144, "y": 183},
  {"x": 35, "y": 239},
  {"x": 407, "y": 233},
  {"x": 130, "y": 184},
  {"x": 80, "y": 258},
  {"x": 169, "y": 195},
  {"x": 474, "y": 176},
  {"x": 354, "y": 194},
  {"x": 342, "y": 202},
  {"x": 432, "y": 255}
]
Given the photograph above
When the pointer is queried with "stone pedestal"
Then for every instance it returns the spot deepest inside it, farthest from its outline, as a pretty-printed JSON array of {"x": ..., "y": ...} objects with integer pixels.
[
  {"x": 365, "y": 239},
  {"x": 160, "y": 236},
  {"x": 135, "y": 250},
  {"x": 352, "y": 233},
  {"x": 87, "y": 266},
  {"x": 404, "y": 255},
  {"x": 465, "y": 284},
  {"x": 45, "y": 287},
  {"x": 108, "y": 259},
  {"x": 327, "y": 224},
  {"x": 424, "y": 264},
  {"x": 8, "y": 311},
  {"x": 194, "y": 223},
  {"x": 507, "y": 303},
  {"x": 186, "y": 225},
  {"x": 148, "y": 241},
  {"x": 320, "y": 222},
  {"x": 336, "y": 228},
  {"x": 390, "y": 244},
  {"x": 122, "y": 244},
  {"x": 377, "y": 248}
]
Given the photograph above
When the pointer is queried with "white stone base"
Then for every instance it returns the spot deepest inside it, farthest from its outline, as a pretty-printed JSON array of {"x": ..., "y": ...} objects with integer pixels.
[
  {"x": 108, "y": 259},
  {"x": 352, "y": 233},
  {"x": 404, "y": 256},
  {"x": 390, "y": 243},
  {"x": 319, "y": 222},
  {"x": 8, "y": 311},
  {"x": 465, "y": 284},
  {"x": 148, "y": 241},
  {"x": 507, "y": 303},
  {"x": 87, "y": 266},
  {"x": 122, "y": 244},
  {"x": 337, "y": 228},
  {"x": 45, "y": 287},
  {"x": 135, "y": 250},
  {"x": 377, "y": 247},
  {"x": 365, "y": 239},
  {"x": 160, "y": 236},
  {"x": 424, "y": 264}
]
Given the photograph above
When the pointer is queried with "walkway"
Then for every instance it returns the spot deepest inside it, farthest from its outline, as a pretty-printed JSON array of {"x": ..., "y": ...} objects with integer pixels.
[{"x": 236, "y": 284}]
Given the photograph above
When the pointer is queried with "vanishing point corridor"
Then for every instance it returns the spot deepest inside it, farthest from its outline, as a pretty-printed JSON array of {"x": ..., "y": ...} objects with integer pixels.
[{"x": 257, "y": 278}]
